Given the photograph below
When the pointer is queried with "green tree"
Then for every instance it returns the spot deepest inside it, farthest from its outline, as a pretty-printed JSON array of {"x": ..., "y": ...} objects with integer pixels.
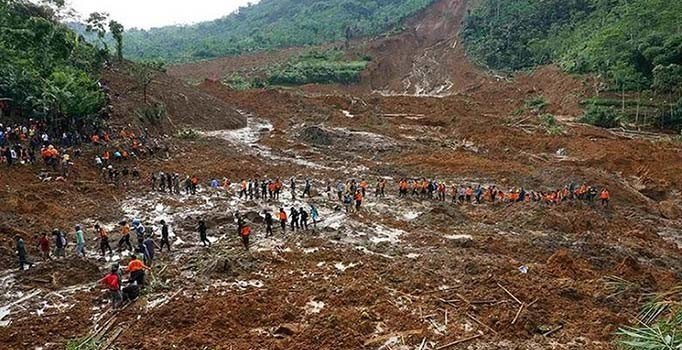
[
  {"x": 667, "y": 78},
  {"x": 116, "y": 30},
  {"x": 144, "y": 76},
  {"x": 96, "y": 23}
]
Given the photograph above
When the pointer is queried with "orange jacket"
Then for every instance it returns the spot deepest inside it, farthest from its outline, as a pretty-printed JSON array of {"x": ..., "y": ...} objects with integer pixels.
[
  {"x": 604, "y": 194},
  {"x": 246, "y": 231},
  {"x": 136, "y": 265},
  {"x": 282, "y": 216}
]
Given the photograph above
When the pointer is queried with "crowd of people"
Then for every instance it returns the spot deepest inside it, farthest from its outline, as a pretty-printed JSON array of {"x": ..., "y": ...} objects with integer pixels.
[
  {"x": 27, "y": 144},
  {"x": 23, "y": 144},
  {"x": 350, "y": 195},
  {"x": 431, "y": 189}
]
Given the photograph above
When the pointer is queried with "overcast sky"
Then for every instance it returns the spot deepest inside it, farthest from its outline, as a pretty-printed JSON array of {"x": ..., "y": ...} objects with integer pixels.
[{"x": 155, "y": 13}]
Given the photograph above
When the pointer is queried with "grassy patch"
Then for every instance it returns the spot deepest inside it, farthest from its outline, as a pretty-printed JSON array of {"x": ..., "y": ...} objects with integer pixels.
[
  {"x": 536, "y": 103},
  {"x": 604, "y": 117},
  {"x": 318, "y": 67}
]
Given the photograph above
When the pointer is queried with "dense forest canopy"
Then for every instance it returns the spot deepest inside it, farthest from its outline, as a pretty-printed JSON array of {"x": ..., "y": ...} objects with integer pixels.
[
  {"x": 271, "y": 24},
  {"x": 48, "y": 71},
  {"x": 634, "y": 44}
]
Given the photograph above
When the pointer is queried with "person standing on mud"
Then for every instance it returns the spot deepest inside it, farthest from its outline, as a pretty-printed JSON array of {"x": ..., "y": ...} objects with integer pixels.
[
  {"x": 304, "y": 219},
  {"x": 250, "y": 190},
  {"x": 149, "y": 247},
  {"x": 202, "y": 233},
  {"x": 358, "y": 199},
  {"x": 136, "y": 269},
  {"x": 165, "y": 241},
  {"x": 264, "y": 185},
  {"x": 243, "y": 185},
  {"x": 194, "y": 183},
  {"x": 293, "y": 189},
  {"x": 245, "y": 232},
  {"x": 329, "y": 190},
  {"x": 125, "y": 237},
  {"x": 112, "y": 281},
  {"x": 307, "y": 188},
  {"x": 315, "y": 216},
  {"x": 139, "y": 231},
  {"x": 21, "y": 253},
  {"x": 294, "y": 219},
  {"x": 271, "y": 190},
  {"x": 188, "y": 185},
  {"x": 442, "y": 189},
  {"x": 103, "y": 237},
  {"x": 604, "y": 196},
  {"x": 59, "y": 243},
  {"x": 283, "y": 220},
  {"x": 80, "y": 242},
  {"x": 162, "y": 182},
  {"x": 340, "y": 188},
  {"x": 153, "y": 180},
  {"x": 169, "y": 182},
  {"x": 278, "y": 188},
  {"x": 268, "y": 223},
  {"x": 44, "y": 247}
]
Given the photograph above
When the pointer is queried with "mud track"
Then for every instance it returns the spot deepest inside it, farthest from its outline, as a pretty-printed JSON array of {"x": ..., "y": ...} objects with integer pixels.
[{"x": 401, "y": 273}]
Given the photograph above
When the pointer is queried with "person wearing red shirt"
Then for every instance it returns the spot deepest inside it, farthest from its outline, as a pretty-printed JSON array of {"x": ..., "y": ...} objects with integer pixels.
[
  {"x": 245, "y": 233},
  {"x": 44, "y": 246},
  {"x": 112, "y": 281}
]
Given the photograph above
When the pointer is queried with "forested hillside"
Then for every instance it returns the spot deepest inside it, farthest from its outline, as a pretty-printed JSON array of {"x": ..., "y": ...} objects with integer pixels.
[
  {"x": 271, "y": 24},
  {"x": 634, "y": 44},
  {"x": 47, "y": 71}
]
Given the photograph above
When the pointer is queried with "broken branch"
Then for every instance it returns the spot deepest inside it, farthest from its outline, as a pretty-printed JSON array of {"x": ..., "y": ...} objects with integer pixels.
[
  {"x": 509, "y": 293},
  {"x": 459, "y": 342}
]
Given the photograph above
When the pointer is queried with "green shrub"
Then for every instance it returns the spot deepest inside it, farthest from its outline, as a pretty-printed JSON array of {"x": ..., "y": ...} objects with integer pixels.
[
  {"x": 667, "y": 78},
  {"x": 659, "y": 324},
  {"x": 151, "y": 114},
  {"x": 671, "y": 118},
  {"x": 188, "y": 134},
  {"x": 238, "y": 82},
  {"x": 549, "y": 120},
  {"x": 604, "y": 117},
  {"x": 317, "y": 67},
  {"x": 537, "y": 103}
]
